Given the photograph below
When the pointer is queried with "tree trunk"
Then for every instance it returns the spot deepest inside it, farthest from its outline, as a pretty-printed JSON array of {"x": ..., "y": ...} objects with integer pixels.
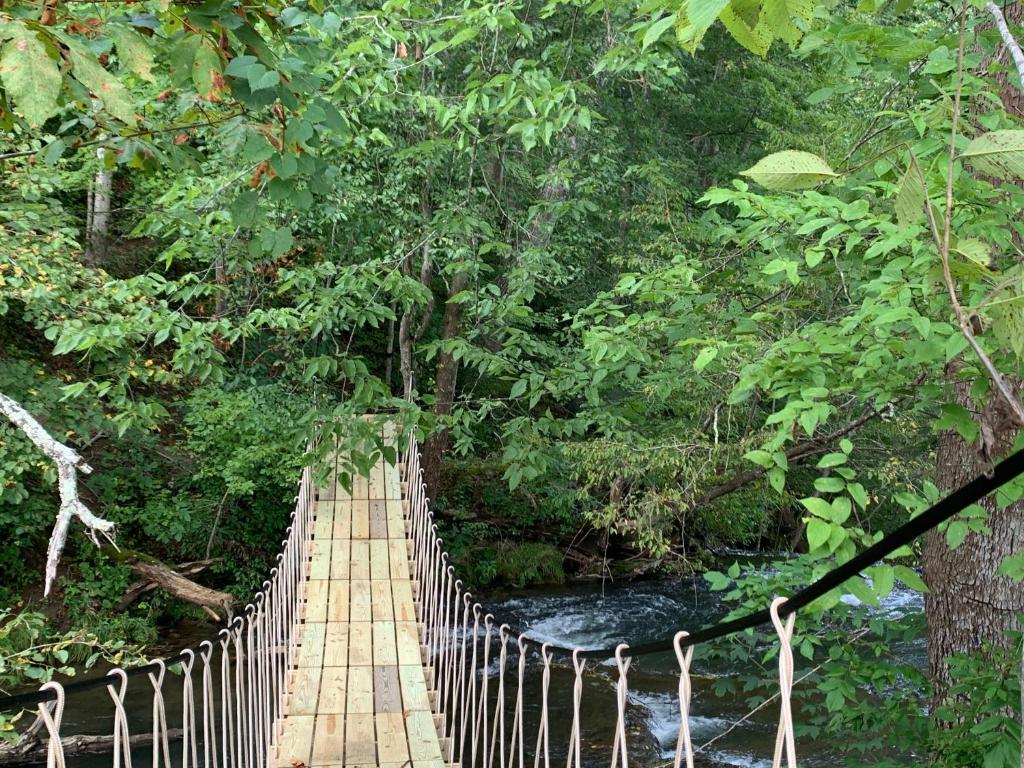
[
  {"x": 436, "y": 446},
  {"x": 411, "y": 329},
  {"x": 98, "y": 215},
  {"x": 968, "y": 605}
]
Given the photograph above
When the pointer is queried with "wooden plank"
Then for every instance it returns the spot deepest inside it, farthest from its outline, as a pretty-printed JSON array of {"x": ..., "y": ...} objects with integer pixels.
[
  {"x": 359, "y": 690},
  {"x": 385, "y": 649},
  {"x": 341, "y": 554},
  {"x": 396, "y": 524},
  {"x": 296, "y": 744},
  {"x": 342, "y": 520},
  {"x": 401, "y": 593},
  {"x": 337, "y": 601},
  {"x": 323, "y": 526},
  {"x": 391, "y": 743},
  {"x": 360, "y": 518},
  {"x": 408, "y": 642},
  {"x": 320, "y": 559},
  {"x": 360, "y": 600},
  {"x": 423, "y": 744},
  {"x": 333, "y": 691},
  {"x": 380, "y": 594},
  {"x": 359, "y": 739},
  {"x": 329, "y": 739},
  {"x": 316, "y": 600},
  {"x": 360, "y": 487},
  {"x": 414, "y": 687},
  {"x": 336, "y": 645},
  {"x": 376, "y": 489},
  {"x": 392, "y": 482},
  {"x": 378, "y": 519},
  {"x": 359, "y": 563},
  {"x": 387, "y": 690},
  {"x": 380, "y": 562},
  {"x": 311, "y": 653},
  {"x": 398, "y": 560},
  {"x": 305, "y": 692},
  {"x": 360, "y": 644}
]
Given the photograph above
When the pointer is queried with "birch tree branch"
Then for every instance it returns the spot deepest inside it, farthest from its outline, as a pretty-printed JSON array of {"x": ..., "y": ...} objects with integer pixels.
[
  {"x": 69, "y": 464},
  {"x": 1008, "y": 38}
]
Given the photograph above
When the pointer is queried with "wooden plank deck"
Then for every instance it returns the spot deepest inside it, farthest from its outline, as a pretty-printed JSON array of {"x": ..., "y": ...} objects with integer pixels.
[{"x": 358, "y": 695}]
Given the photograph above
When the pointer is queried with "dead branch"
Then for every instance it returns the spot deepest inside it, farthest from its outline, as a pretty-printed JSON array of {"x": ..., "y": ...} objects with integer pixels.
[
  {"x": 31, "y": 749},
  {"x": 69, "y": 463}
]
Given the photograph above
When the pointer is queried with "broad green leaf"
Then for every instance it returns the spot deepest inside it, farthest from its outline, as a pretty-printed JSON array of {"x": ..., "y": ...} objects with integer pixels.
[
  {"x": 831, "y": 460},
  {"x": 841, "y": 509},
  {"x": 705, "y": 356},
  {"x": 911, "y": 195},
  {"x": 882, "y": 579},
  {"x": 997, "y": 153},
  {"x": 790, "y": 170},
  {"x": 30, "y": 76},
  {"x": 206, "y": 72},
  {"x": 956, "y": 532},
  {"x": 756, "y": 37},
  {"x": 858, "y": 494},
  {"x": 695, "y": 19},
  {"x": 818, "y": 532},
  {"x": 90, "y": 73},
  {"x": 818, "y": 506},
  {"x": 859, "y": 589},
  {"x": 657, "y": 29},
  {"x": 759, "y": 457},
  {"x": 133, "y": 51},
  {"x": 909, "y": 577},
  {"x": 974, "y": 249}
]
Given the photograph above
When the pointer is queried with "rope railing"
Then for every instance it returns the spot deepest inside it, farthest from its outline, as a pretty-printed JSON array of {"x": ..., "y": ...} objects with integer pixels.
[
  {"x": 452, "y": 635},
  {"x": 230, "y": 725}
]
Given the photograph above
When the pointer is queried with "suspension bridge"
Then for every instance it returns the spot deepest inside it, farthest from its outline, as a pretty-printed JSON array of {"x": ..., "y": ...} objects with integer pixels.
[{"x": 364, "y": 649}]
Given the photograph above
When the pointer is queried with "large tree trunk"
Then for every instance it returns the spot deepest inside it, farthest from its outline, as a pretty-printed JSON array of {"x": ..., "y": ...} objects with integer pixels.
[
  {"x": 447, "y": 375},
  {"x": 413, "y": 324},
  {"x": 968, "y": 605}
]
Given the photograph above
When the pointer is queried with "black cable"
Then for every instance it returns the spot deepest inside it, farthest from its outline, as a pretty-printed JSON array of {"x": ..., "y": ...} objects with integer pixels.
[{"x": 956, "y": 502}]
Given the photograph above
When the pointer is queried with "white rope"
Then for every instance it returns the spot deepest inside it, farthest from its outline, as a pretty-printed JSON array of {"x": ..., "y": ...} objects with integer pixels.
[
  {"x": 473, "y": 700},
  {"x": 188, "y": 712},
  {"x": 227, "y": 725},
  {"x": 54, "y": 747},
  {"x": 517, "y": 718},
  {"x": 122, "y": 745},
  {"x": 684, "y": 744},
  {"x": 161, "y": 748},
  {"x": 542, "y": 729},
  {"x": 621, "y": 694},
  {"x": 209, "y": 732},
  {"x": 785, "y": 736},
  {"x": 498, "y": 730},
  {"x": 573, "y": 756},
  {"x": 483, "y": 719}
]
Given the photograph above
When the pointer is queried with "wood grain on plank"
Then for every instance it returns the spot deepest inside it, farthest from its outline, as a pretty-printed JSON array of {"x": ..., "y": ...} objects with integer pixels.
[
  {"x": 380, "y": 593},
  {"x": 333, "y": 691},
  {"x": 387, "y": 689},
  {"x": 328, "y": 739},
  {"x": 359, "y": 686},
  {"x": 360, "y": 738},
  {"x": 360, "y": 644}
]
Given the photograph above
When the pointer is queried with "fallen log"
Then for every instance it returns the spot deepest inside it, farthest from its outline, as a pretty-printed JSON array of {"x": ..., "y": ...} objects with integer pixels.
[
  {"x": 173, "y": 583},
  {"x": 139, "y": 588},
  {"x": 32, "y": 751}
]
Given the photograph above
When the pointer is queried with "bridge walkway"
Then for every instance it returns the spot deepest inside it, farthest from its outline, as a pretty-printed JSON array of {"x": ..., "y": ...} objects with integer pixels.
[{"x": 357, "y": 695}]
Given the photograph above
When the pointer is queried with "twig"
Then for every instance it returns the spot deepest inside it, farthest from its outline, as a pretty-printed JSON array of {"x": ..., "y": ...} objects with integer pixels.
[{"x": 1008, "y": 39}]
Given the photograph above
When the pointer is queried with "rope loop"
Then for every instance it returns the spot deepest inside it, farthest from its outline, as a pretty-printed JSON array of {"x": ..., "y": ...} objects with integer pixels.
[
  {"x": 579, "y": 664},
  {"x": 188, "y": 711},
  {"x": 122, "y": 748},
  {"x": 161, "y": 747},
  {"x": 621, "y": 695},
  {"x": 543, "y": 729},
  {"x": 684, "y": 744},
  {"x": 784, "y": 737},
  {"x": 54, "y": 748}
]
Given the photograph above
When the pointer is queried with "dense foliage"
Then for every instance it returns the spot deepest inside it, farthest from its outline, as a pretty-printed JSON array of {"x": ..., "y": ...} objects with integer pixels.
[{"x": 656, "y": 279}]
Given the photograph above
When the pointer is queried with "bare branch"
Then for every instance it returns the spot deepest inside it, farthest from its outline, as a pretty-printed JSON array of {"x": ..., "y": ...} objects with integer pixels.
[
  {"x": 69, "y": 464},
  {"x": 1008, "y": 38}
]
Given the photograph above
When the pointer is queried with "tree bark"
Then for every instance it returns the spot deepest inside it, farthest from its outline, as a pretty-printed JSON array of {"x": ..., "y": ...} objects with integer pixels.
[
  {"x": 32, "y": 751},
  {"x": 436, "y": 446},
  {"x": 413, "y": 325},
  {"x": 98, "y": 215},
  {"x": 968, "y": 605}
]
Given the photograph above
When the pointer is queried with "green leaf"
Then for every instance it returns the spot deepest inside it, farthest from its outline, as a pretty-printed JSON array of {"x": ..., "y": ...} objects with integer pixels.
[
  {"x": 861, "y": 591},
  {"x": 882, "y": 579},
  {"x": 858, "y": 494},
  {"x": 790, "y": 170},
  {"x": 705, "y": 356},
  {"x": 831, "y": 460},
  {"x": 910, "y": 195},
  {"x": 997, "y": 153},
  {"x": 909, "y": 577},
  {"x": 90, "y": 73},
  {"x": 956, "y": 532},
  {"x": 695, "y": 20},
  {"x": 777, "y": 479},
  {"x": 756, "y": 38},
  {"x": 841, "y": 509},
  {"x": 818, "y": 532},
  {"x": 133, "y": 51},
  {"x": 975, "y": 250},
  {"x": 30, "y": 76},
  {"x": 518, "y": 388},
  {"x": 759, "y": 457},
  {"x": 657, "y": 29},
  {"x": 829, "y": 484},
  {"x": 818, "y": 506},
  {"x": 206, "y": 72}
]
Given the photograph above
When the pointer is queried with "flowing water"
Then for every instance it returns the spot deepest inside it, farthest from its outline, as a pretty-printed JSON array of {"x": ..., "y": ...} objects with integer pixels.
[{"x": 588, "y": 615}]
